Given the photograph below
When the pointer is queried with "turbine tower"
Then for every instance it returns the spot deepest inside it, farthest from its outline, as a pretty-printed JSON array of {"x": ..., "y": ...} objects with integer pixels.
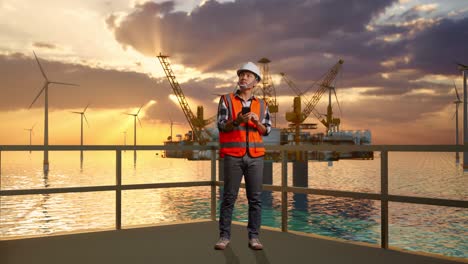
[
  {"x": 30, "y": 137},
  {"x": 83, "y": 115},
  {"x": 457, "y": 104},
  {"x": 45, "y": 89},
  {"x": 135, "y": 117},
  {"x": 464, "y": 70}
]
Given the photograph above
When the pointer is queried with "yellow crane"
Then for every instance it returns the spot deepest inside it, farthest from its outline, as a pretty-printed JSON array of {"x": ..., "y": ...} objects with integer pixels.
[
  {"x": 197, "y": 123},
  {"x": 298, "y": 116}
]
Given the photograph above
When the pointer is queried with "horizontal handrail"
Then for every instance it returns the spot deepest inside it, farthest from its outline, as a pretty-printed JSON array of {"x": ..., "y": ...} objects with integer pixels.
[
  {"x": 365, "y": 195},
  {"x": 104, "y": 188},
  {"x": 102, "y": 147},
  {"x": 266, "y": 187},
  {"x": 308, "y": 147}
]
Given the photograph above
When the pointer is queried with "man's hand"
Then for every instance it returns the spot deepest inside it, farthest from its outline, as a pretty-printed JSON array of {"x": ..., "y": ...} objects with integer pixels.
[
  {"x": 243, "y": 118},
  {"x": 253, "y": 117},
  {"x": 260, "y": 127}
]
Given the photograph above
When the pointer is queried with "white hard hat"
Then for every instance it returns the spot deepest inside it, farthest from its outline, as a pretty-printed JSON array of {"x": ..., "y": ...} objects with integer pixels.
[{"x": 251, "y": 67}]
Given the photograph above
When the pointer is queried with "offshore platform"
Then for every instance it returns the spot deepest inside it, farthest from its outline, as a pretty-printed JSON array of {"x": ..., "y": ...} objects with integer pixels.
[{"x": 297, "y": 132}]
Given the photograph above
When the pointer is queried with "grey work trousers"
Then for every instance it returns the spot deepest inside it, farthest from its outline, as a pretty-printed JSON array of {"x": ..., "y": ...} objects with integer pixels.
[{"x": 234, "y": 169}]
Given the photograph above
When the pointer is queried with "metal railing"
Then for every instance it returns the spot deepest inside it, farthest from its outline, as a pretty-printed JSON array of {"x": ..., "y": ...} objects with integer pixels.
[{"x": 384, "y": 197}]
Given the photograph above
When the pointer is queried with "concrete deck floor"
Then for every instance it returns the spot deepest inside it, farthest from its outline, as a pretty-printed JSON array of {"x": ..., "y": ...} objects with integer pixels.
[{"x": 193, "y": 243}]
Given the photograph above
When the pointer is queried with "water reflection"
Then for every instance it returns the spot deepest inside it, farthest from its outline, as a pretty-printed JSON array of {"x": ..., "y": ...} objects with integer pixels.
[
  {"x": 300, "y": 202},
  {"x": 45, "y": 207},
  {"x": 46, "y": 180},
  {"x": 134, "y": 159},
  {"x": 81, "y": 160},
  {"x": 336, "y": 217}
]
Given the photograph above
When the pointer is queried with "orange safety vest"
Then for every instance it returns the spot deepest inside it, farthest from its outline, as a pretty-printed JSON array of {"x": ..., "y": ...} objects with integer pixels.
[{"x": 245, "y": 136}]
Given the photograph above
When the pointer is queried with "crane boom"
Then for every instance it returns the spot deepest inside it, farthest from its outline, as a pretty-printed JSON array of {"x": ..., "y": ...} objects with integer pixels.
[
  {"x": 163, "y": 59},
  {"x": 291, "y": 84},
  {"x": 323, "y": 86},
  {"x": 298, "y": 92}
]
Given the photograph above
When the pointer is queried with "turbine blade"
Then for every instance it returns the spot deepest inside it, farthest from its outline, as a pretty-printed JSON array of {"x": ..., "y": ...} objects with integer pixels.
[
  {"x": 62, "y": 83},
  {"x": 456, "y": 90},
  {"x": 86, "y": 108},
  {"x": 75, "y": 112},
  {"x": 37, "y": 96},
  {"x": 453, "y": 116},
  {"x": 338, "y": 102},
  {"x": 140, "y": 109},
  {"x": 139, "y": 121},
  {"x": 86, "y": 119},
  {"x": 40, "y": 66},
  {"x": 461, "y": 65}
]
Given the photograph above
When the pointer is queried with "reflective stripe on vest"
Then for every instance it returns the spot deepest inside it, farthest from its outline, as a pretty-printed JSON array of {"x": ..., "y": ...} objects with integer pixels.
[
  {"x": 241, "y": 144},
  {"x": 234, "y": 143}
]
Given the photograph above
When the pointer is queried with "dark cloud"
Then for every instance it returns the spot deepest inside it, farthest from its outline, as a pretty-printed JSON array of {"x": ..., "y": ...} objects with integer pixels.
[
  {"x": 436, "y": 49},
  {"x": 217, "y": 35},
  {"x": 295, "y": 35},
  {"x": 412, "y": 14}
]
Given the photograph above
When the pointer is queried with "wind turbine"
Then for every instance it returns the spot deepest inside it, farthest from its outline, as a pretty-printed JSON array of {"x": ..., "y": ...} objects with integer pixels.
[
  {"x": 135, "y": 117},
  {"x": 81, "y": 142},
  {"x": 464, "y": 69},
  {"x": 457, "y": 104},
  {"x": 45, "y": 89},
  {"x": 30, "y": 133}
]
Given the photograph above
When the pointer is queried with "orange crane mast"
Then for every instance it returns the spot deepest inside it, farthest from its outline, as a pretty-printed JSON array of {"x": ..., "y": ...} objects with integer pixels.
[
  {"x": 197, "y": 123},
  {"x": 325, "y": 84},
  {"x": 298, "y": 116}
]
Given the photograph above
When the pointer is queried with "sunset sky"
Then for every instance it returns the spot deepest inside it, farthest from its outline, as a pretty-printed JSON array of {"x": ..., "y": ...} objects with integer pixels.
[{"x": 397, "y": 78}]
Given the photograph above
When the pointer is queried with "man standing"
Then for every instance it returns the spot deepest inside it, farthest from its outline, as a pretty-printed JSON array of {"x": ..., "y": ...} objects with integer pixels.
[{"x": 242, "y": 121}]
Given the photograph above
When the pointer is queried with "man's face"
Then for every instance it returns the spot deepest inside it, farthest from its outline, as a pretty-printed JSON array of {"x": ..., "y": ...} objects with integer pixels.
[{"x": 247, "y": 78}]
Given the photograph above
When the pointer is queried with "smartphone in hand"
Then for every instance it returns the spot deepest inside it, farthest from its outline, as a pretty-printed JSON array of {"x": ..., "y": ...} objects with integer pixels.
[{"x": 245, "y": 110}]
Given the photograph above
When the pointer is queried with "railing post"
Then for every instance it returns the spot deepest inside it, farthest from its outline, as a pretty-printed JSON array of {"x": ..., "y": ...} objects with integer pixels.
[
  {"x": 118, "y": 190},
  {"x": 384, "y": 198},
  {"x": 0, "y": 169},
  {"x": 213, "y": 184},
  {"x": 284, "y": 192}
]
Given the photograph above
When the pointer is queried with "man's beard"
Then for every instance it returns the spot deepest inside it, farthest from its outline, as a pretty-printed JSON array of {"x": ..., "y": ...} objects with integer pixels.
[{"x": 247, "y": 85}]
